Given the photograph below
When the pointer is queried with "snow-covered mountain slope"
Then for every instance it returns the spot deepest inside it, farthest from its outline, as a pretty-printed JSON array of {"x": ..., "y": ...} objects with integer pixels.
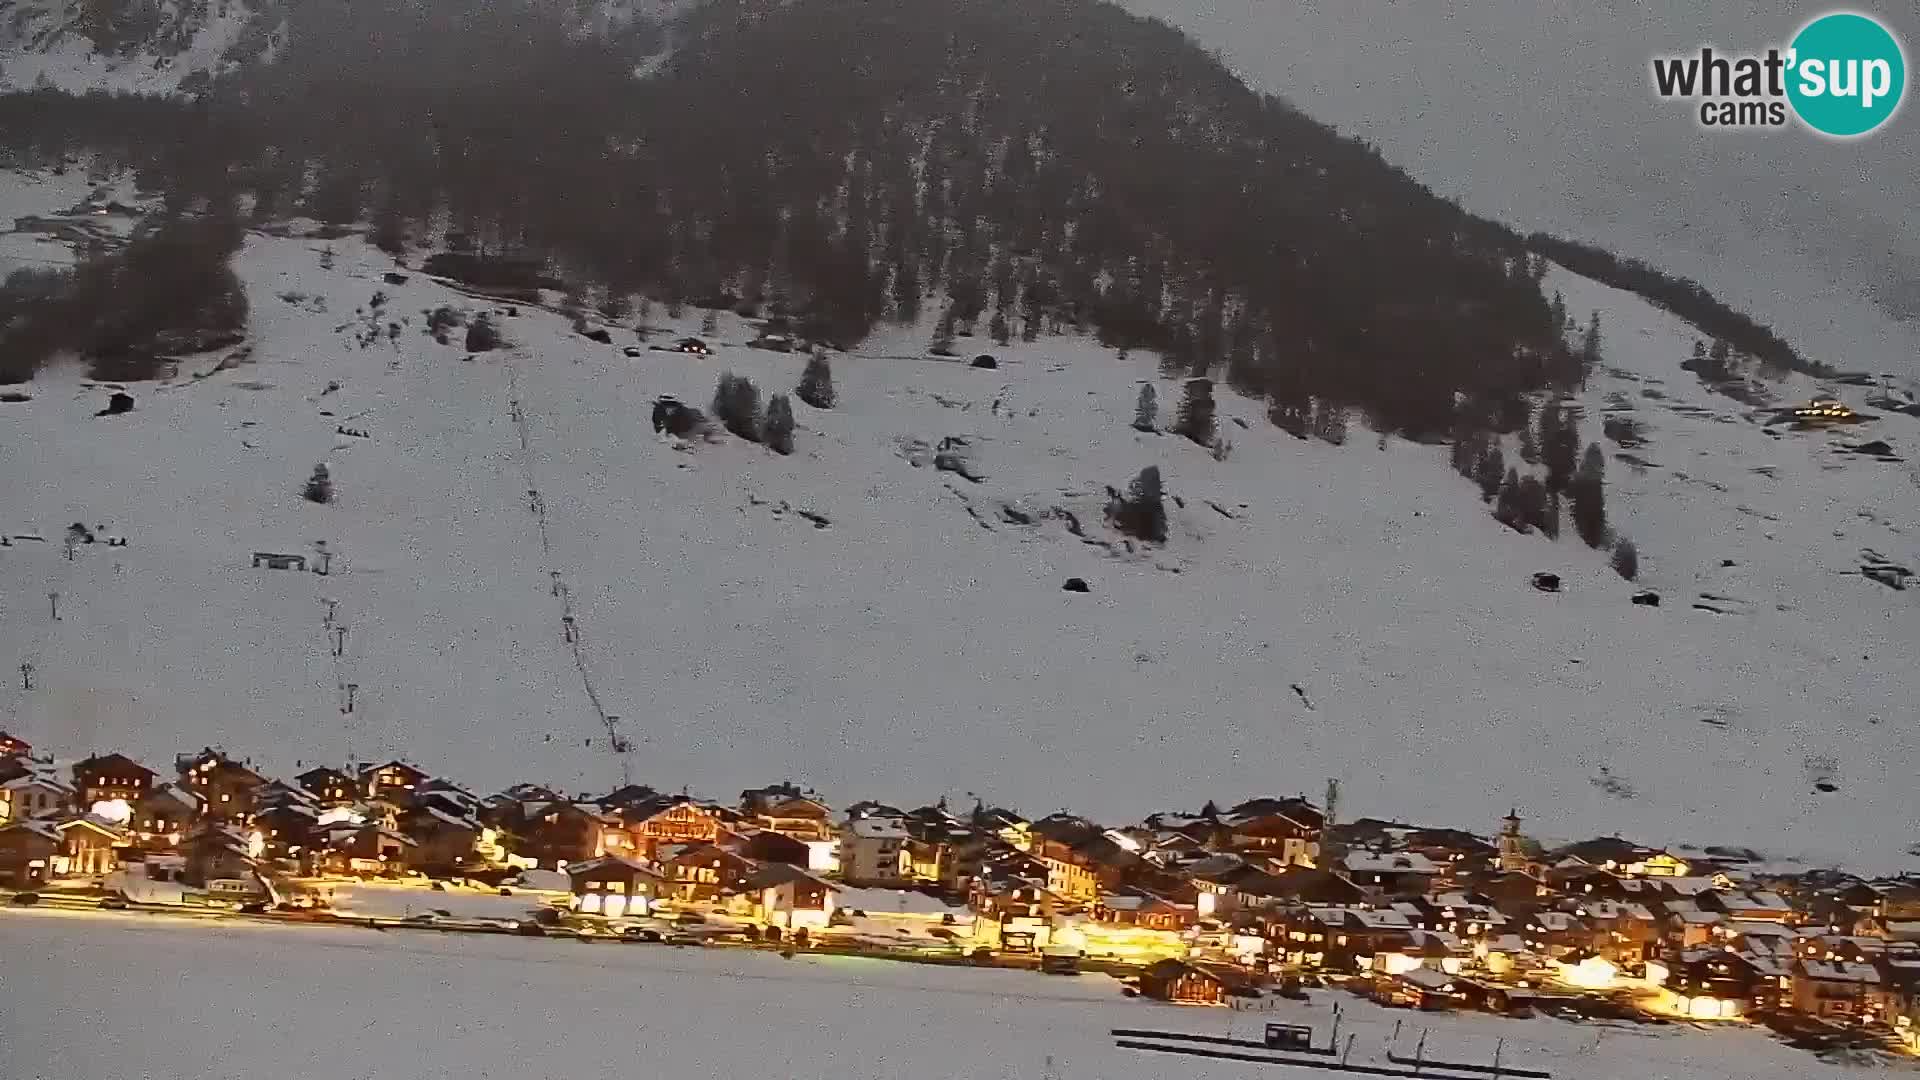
[
  {"x": 1317, "y": 612},
  {"x": 166, "y": 46},
  {"x": 147, "y": 47}
]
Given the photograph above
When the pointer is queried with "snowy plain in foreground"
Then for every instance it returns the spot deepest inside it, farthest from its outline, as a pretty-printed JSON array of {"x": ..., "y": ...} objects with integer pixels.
[
  {"x": 95, "y": 996},
  {"x": 920, "y": 645}
]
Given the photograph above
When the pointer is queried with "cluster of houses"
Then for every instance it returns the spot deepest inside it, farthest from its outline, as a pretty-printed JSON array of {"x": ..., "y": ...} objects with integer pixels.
[{"x": 1203, "y": 906}]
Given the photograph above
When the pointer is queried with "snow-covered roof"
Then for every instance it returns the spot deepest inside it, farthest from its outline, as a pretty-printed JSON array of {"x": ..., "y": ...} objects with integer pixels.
[
  {"x": 896, "y": 901},
  {"x": 1396, "y": 862},
  {"x": 1841, "y": 972},
  {"x": 454, "y": 820},
  {"x": 1427, "y": 979},
  {"x": 590, "y": 867},
  {"x": 1556, "y": 921},
  {"x": 1434, "y": 942},
  {"x": 876, "y": 829},
  {"x": 39, "y": 780},
  {"x": 189, "y": 800},
  {"x": 1695, "y": 917},
  {"x": 42, "y": 827},
  {"x": 1377, "y": 919}
]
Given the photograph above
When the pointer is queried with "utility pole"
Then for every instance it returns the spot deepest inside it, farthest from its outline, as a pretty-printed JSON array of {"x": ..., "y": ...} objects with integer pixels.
[
  {"x": 53, "y": 602},
  {"x": 352, "y": 689},
  {"x": 26, "y": 676},
  {"x": 339, "y": 641}
]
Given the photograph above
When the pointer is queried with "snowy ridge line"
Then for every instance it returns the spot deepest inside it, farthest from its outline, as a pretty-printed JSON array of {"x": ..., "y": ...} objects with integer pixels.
[{"x": 570, "y": 626}]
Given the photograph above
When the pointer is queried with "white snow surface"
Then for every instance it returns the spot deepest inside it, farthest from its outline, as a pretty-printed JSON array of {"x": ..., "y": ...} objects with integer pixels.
[
  {"x": 910, "y": 649},
  {"x": 169, "y": 1000},
  {"x": 41, "y": 43}
]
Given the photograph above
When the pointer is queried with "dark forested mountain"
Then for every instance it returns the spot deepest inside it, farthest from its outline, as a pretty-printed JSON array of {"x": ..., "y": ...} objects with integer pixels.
[{"x": 1018, "y": 165}]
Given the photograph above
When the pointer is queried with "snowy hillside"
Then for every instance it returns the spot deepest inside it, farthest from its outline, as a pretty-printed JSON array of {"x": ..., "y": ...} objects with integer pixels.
[
  {"x": 166, "y": 46},
  {"x": 145, "y": 48},
  {"x": 852, "y": 618}
]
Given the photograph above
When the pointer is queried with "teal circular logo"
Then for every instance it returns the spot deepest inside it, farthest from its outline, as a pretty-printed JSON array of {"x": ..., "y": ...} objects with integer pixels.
[{"x": 1847, "y": 74}]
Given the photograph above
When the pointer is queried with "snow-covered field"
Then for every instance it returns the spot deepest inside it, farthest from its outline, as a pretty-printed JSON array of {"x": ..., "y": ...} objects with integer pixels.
[
  {"x": 920, "y": 643},
  {"x": 102, "y": 996}
]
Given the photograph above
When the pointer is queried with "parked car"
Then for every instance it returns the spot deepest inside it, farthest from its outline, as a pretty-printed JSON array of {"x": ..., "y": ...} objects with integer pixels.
[
  {"x": 114, "y": 903},
  {"x": 25, "y": 899}
]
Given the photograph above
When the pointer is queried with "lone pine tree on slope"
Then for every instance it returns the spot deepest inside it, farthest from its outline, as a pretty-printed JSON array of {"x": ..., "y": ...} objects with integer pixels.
[
  {"x": 1146, "y": 412},
  {"x": 1195, "y": 420},
  {"x": 778, "y": 429},
  {"x": 816, "y": 382}
]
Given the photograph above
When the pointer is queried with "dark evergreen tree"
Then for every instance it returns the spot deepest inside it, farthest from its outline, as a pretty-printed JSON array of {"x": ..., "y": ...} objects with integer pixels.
[
  {"x": 1626, "y": 559},
  {"x": 710, "y": 323},
  {"x": 1587, "y": 493},
  {"x": 319, "y": 487},
  {"x": 999, "y": 329},
  {"x": 1559, "y": 313},
  {"x": 390, "y": 232},
  {"x": 1465, "y": 449},
  {"x": 1489, "y": 472},
  {"x": 1529, "y": 443},
  {"x": 1508, "y": 507},
  {"x": 1146, "y": 411},
  {"x": 1534, "y": 505},
  {"x": 736, "y": 404},
  {"x": 778, "y": 429},
  {"x": 1590, "y": 344},
  {"x": 816, "y": 382},
  {"x": 1196, "y": 416},
  {"x": 1559, "y": 445},
  {"x": 942, "y": 343},
  {"x": 1140, "y": 513}
]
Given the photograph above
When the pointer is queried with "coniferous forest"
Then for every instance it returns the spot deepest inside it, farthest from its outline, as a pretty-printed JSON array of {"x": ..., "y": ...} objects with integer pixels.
[{"x": 1014, "y": 166}]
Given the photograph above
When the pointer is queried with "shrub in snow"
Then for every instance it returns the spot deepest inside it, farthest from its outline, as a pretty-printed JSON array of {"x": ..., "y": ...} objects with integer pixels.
[
  {"x": 1195, "y": 419},
  {"x": 777, "y": 432},
  {"x": 482, "y": 335},
  {"x": 1146, "y": 411},
  {"x": 1222, "y": 447},
  {"x": 319, "y": 487},
  {"x": 676, "y": 418},
  {"x": 736, "y": 404},
  {"x": 710, "y": 323},
  {"x": 1626, "y": 559},
  {"x": 816, "y": 383},
  {"x": 1140, "y": 513},
  {"x": 442, "y": 321}
]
